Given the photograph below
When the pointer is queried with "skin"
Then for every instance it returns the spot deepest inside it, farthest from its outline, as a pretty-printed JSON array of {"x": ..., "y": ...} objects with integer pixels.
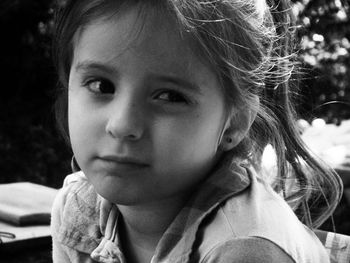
[{"x": 145, "y": 121}]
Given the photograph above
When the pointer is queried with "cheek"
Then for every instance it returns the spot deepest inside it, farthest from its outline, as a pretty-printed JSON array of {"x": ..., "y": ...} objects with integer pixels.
[
  {"x": 75, "y": 124},
  {"x": 190, "y": 140},
  {"x": 75, "y": 115},
  {"x": 82, "y": 125}
]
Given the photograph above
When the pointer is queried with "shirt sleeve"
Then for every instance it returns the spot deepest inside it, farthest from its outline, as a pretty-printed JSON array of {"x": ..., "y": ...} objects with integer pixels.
[
  {"x": 60, "y": 252},
  {"x": 69, "y": 244},
  {"x": 247, "y": 250}
]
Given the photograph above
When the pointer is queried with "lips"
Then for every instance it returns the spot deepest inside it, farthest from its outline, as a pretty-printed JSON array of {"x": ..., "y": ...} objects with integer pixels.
[{"x": 123, "y": 162}]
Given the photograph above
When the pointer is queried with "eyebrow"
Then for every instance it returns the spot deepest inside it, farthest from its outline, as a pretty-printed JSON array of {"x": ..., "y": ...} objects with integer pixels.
[{"x": 93, "y": 65}]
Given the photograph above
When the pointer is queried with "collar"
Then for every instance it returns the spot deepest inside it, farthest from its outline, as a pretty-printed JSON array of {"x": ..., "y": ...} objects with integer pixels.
[{"x": 177, "y": 242}]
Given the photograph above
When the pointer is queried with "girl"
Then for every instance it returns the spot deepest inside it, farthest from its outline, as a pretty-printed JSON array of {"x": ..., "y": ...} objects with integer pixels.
[{"x": 169, "y": 105}]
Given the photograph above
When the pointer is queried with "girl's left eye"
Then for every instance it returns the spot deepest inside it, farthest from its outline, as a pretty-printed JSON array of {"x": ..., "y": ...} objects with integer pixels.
[
  {"x": 100, "y": 86},
  {"x": 172, "y": 96}
]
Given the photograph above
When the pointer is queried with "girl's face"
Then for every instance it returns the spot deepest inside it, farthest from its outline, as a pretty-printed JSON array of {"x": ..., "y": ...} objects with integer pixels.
[{"x": 145, "y": 115}]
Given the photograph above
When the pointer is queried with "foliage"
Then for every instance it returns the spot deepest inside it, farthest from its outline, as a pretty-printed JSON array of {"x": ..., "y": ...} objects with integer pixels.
[
  {"x": 30, "y": 147},
  {"x": 325, "y": 53}
]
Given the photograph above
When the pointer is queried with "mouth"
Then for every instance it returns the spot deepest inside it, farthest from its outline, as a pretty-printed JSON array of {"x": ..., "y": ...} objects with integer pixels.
[{"x": 123, "y": 162}]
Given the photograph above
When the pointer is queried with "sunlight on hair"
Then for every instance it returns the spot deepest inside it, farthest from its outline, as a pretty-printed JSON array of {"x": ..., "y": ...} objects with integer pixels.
[{"x": 261, "y": 7}]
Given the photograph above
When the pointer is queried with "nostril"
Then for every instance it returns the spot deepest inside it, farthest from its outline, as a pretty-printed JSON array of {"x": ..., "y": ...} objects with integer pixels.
[
  {"x": 125, "y": 118},
  {"x": 118, "y": 129}
]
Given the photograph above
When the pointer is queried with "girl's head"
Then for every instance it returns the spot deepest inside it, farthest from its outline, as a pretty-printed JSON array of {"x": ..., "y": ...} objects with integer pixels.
[
  {"x": 167, "y": 88},
  {"x": 241, "y": 61}
]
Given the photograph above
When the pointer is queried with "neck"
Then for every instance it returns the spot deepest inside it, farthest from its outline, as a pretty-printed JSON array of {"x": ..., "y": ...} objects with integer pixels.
[{"x": 142, "y": 226}]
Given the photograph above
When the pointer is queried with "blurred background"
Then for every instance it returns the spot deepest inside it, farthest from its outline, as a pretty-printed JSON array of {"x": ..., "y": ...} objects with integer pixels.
[{"x": 32, "y": 150}]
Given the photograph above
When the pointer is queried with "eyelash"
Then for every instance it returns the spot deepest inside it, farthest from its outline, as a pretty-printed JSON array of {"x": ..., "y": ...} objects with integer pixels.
[
  {"x": 179, "y": 97},
  {"x": 110, "y": 89}
]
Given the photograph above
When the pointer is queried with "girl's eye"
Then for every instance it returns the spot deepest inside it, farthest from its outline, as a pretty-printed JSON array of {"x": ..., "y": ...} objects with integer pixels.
[
  {"x": 101, "y": 86},
  {"x": 172, "y": 96}
]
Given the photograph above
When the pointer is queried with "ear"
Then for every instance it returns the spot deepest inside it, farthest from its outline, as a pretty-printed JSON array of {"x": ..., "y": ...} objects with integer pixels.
[{"x": 237, "y": 126}]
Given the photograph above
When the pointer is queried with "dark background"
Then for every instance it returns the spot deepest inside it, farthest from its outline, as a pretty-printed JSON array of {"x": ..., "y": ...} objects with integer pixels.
[{"x": 31, "y": 148}]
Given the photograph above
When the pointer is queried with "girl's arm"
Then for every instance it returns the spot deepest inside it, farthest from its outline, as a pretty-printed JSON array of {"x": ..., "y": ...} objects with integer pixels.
[{"x": 247, "y": 250}]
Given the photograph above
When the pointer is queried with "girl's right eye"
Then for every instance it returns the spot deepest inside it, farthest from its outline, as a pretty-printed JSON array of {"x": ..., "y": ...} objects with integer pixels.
[{"x": 100, "y": 86}]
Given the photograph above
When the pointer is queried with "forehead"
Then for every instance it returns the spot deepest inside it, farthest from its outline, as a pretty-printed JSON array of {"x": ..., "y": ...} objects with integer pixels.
[{"x": 150, "y": 36}]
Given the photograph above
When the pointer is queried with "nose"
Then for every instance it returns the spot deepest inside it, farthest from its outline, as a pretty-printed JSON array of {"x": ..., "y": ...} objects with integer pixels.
[{"x": 125, "y": 120}]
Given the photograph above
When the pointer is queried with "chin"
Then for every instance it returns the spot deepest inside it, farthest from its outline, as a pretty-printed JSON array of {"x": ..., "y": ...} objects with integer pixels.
[{"x": 118, "y": 192}]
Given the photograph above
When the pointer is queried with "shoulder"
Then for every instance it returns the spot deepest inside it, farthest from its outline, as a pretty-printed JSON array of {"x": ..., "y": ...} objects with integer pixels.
[
  {"x": 247, "y": 250},
  {"x": 75, "y": 213},
  {"x": 260, "y": 220},
  {"x": 75, "y": 195}
]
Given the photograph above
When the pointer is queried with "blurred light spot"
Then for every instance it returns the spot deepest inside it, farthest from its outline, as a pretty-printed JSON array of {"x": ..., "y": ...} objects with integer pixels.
[
  {"x": 306, "y": 21},
  {"x": 303, "y": 125},
  {"x": 269, "y": 164},
  {"x": 269, "y": 156},
  {"x": 345, "y": 43},
  {"x": 317, "y": 37},
  {"x": 311, "y": 60},
  {"x": 341, "y": 15},
  {"x": 342, "y": 51},
  {"x": 42, "y": 28},
  {"x": 321, "y": 10},
  {"x": 318, "y": 123},
  {"x": 338, "y": 3}
]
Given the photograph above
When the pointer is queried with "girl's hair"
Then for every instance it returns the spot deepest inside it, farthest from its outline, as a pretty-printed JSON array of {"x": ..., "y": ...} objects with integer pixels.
[{"x": 250, "y": 46}]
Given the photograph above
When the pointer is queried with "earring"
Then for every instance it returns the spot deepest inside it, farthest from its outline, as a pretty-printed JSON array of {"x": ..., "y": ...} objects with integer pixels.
[
  {"x": 227, "y": 143},
  {"x": 74, "y": 165}
]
